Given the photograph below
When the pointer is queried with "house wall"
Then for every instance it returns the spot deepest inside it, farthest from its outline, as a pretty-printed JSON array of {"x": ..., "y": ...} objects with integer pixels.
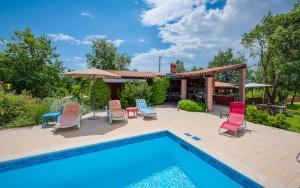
[
  {"x": 223, "y": 100},
  {"x": 115, "y": 88}
]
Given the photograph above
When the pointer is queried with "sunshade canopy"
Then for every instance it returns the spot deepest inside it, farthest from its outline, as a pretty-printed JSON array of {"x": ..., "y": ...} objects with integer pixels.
[
  {"x": 254, "y": 85},
  {"x": 91, "y": 73}
]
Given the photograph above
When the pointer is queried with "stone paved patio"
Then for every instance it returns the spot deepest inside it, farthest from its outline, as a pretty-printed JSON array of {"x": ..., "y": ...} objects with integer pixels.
[{"x": 263, "y": 153}]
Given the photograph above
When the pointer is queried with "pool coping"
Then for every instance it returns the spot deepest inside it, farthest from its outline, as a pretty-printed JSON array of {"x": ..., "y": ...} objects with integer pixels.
[{"x": 236, "y": 175}]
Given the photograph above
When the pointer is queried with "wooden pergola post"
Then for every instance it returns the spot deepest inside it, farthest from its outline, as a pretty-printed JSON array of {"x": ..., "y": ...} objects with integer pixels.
[
  {"x": 209, "y": 92},
  {"x": 242, "y": 83},
  {"x": 183, "y": 90}
]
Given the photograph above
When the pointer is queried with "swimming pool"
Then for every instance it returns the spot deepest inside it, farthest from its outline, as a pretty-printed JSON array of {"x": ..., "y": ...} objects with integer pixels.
[{"x": 154, "y": 160}]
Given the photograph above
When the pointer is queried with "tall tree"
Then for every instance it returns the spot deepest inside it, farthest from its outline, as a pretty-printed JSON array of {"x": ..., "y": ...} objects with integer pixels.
[
  {"x": 275, "y": 41},
  {"x": 105, "y": 56},
  {"x": 285, "y": 41},
  {"x": 195, "y": 68},
  {"x": 226, "y": 58},
  {"x": 30, "y": 63},
  {"x": 257, "y": 42},
  {"x": 180, "y": 66}
]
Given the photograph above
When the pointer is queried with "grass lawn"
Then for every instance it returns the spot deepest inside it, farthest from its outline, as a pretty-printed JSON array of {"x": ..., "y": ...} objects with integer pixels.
[{"x": 294, "y": 121}]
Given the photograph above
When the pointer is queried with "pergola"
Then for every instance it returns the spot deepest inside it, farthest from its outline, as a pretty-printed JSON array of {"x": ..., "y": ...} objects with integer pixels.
[{"x": 209, "y": 76}]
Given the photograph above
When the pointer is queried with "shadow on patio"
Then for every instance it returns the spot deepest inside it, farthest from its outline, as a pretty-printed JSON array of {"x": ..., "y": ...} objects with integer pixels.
[{"x": 91, "y": 127}]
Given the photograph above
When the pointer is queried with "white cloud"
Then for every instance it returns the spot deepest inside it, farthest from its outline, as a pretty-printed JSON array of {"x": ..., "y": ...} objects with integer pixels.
[
  {"x": 74, "y": 59},
  {"x": 163, "y": 11},
  {"x": 87, "y": 14},
  {"x": 92, "y": 37},
  {"x": 75, "y": 62},
  {"x": 142, "y": 40},
  {"x": 86, "y": 41},
  {"x": 89, "y": 38},
  {"x": 118, "y": 42},
  {"x": 62, "y": 37},
  {"x": 82, "y": 65},
  {"x": 196, "y": 34}
]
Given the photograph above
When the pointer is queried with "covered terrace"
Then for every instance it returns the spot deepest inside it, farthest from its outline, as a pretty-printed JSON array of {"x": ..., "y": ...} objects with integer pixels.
[{"x": 204, "y": 82}]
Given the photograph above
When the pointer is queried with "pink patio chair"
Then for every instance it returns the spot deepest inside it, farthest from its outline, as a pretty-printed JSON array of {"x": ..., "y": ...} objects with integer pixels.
[
  {"x": 115, "y": 112},
  {"x": 69, "y": 118},
  {"x": 236, "y": 118}
]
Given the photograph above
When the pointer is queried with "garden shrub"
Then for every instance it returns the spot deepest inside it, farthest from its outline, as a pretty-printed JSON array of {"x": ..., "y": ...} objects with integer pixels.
[
  {"x": 160, "y": 88},
  {"x": 279, "y": 121},
  {"x": 257, "y": 116},
  {"x": 21, "y": 110},
  {"x": 134, "y": 90},
  {"x": 85, "y": 100},
  {"x": 11, "y": 106},
  {"x": 191, "y": 106},
  {"x": 101, "y": 95},
  {"x": 84, "y": 109},
  {"x": 61, "y": 92},
  {"x": 37, "y": 110},
  {"x": 76, "y": 92},
  {"x": 57, "y": 105},
  {"x": 263, "y": 117}
]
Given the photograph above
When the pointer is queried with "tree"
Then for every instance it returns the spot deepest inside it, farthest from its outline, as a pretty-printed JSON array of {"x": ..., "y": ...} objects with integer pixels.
[
  {"x": 252, "y": 74},
  {"x": 195, "y": 68},
  {"x": 122, "y": 61},
  {"x": 226, "y": 58},
  {"x": 180, "y": 66},
  {"x": 285, "y": 41},
  {"x": 101, "y": 96},
  {"x": 257, "y": 42},
  {"x": 30, "y": 63},
  {"x": 275, "y": 41},
  {"x": 159, "y": 90},
  {"x": 105, "y": 56},
  {"x": 135, "y": 90}
]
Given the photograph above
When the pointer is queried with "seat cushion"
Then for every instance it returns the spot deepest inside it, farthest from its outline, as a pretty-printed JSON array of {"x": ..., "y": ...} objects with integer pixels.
[
  {"x": 117, "y": 113},
  {"x": 230, "y": 126},
  {"x": 148, "y": 111},
  {"x": 67, "y": 120},
  {"x": 236, "y": 118}
]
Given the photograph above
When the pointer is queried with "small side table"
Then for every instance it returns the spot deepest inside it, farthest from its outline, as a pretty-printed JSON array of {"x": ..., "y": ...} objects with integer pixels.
[
  {"x": 50, "y": 115},
  {"x": 131, "y": 109}
]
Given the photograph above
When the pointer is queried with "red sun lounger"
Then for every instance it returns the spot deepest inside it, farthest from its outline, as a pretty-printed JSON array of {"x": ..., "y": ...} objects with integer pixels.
[{"x": 236, "y": 117}]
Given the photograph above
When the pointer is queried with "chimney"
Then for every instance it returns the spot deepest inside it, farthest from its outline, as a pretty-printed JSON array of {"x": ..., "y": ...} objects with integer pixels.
[{"x": 173, "y": 68}]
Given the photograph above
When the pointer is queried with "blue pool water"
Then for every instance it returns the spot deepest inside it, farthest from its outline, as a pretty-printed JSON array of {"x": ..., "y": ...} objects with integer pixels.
[{"x": 154, "y": 160}]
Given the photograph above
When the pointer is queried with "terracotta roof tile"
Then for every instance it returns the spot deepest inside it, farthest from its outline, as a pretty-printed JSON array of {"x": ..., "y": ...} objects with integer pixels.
[
  {"x": 224, "y": 85},
  {"x": 136, "y": 74},
  {"x": 210, "y": 71},
  {"x": 145, "y": 75}
]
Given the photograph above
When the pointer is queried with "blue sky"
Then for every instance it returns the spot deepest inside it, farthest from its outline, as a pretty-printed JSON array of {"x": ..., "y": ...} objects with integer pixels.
[{"x": 192, "y": 31}]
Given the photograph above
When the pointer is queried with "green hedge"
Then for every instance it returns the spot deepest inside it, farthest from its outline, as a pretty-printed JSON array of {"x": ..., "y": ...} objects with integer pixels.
[
  {"x": 192, "y": 106},
  {"x": 263, "y": 117},
  {"x": 160, "y": 88},
  {"x": 21, "y": 110},
  {"x": 101, "y": 95},
  {"x": 134, "y": 90}
]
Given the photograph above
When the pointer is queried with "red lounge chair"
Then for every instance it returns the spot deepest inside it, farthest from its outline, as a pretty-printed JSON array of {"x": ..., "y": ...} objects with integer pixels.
[{"x": 236, "y": 117}]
